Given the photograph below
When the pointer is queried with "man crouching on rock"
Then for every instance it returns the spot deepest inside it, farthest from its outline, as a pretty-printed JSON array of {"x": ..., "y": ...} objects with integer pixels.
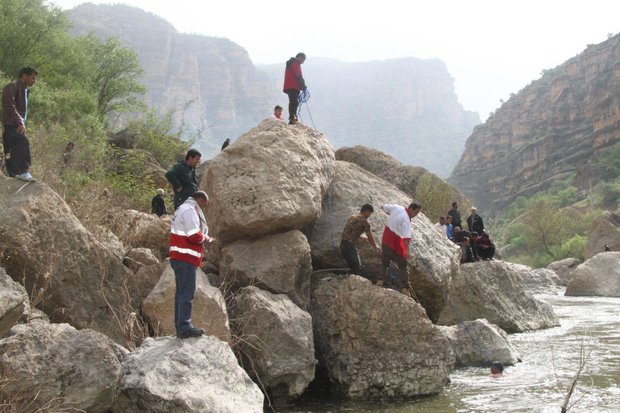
[
  {"x": 188, "y": 234},
  {"x": 395, "y": 242}
]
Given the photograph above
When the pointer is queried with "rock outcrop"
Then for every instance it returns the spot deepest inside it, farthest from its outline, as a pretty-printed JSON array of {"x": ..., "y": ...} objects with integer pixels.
[
  {"x": 279, "y": 263},
  {"x": 435, "y": 194},
  {"x": 78, "y": 280},
  {"x": 57, "y": 366},
  {"x": 185, "y": 376},
  {"x": 13, "y": 302},
  {"x": 208, "y": 312},
  {"x": 478, "y": 342},
  {"x": 605, "y": 230},
  {"x": 550, "y": 130},
  {"x": 272, "y": 179},
  {"x": 494, "y": 290},
  {"x": 564, "y": 269},
  {"x": 137, "y": 258},
  {"x": 375, "y": 343},
  {"x": 140, "y": 230},
  {"x": 276, "y": 341},
  {"x": 598, "y": 276},
  {"x": 434, "y": 259}
]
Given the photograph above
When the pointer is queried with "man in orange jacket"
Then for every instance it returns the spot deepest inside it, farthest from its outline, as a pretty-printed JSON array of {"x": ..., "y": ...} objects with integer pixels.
[{"x": 293, "y": 84}]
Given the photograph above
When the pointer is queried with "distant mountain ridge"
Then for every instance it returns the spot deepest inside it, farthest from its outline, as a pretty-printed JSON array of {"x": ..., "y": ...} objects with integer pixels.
[
  {"x": 552, "y": 129},
  {"x": 405, "y": 107}
]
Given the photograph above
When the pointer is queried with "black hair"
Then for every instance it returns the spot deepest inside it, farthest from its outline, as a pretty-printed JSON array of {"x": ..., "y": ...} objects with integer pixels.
[
  {"x": 300, "y": 55},
  {"x": 454, "y": 204},
  {"x": 26, "y": 70},
  {"x": 415, "y": 206},
  {"x": 499, "y": 366},
  {"x": 200, "y": 195},
  {"x": 277, "y": 107},
  {"x": 367, "y": 207},
  {"x": 192, "y": 153},
  {"x": 473, "y": 234}
]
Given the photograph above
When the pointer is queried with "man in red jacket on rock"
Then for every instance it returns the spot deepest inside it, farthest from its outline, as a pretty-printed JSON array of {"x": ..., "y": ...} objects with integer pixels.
[{"x": 293, "y": 84}]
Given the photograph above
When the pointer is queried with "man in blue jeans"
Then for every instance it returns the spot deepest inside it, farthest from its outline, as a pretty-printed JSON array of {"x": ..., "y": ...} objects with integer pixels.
[{"x": 188, "y": 233}]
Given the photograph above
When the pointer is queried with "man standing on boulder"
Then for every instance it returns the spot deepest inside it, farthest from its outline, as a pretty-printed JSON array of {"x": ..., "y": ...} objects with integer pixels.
[
  {"x": 293, "y": 84},
  {"x": 14, "y": 116},
  {"x": 395, "y": 243},
  {"x": 183, "y": 177},
  {"x": 354, "y": 228},
  {"x": 188, "y": 234}
]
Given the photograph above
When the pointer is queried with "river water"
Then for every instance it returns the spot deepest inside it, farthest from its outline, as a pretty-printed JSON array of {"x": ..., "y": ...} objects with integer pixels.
[{"x": 537, "y": 384}]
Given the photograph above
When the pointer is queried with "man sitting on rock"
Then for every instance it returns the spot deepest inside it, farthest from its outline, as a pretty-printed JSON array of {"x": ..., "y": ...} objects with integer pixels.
[
  {"x": 395, "y": 243},
  {"x": 353, "y": 230},
  {"x": 460, "y": 235},
  {"x": 188, "y": 233},
  {"x": 467, "y": 253},
  {"x": 474, "y": 221},
  {"x": 485, "y": 247},
  {"x": 441, "y": 225},
  {"x": 277, "y": 113}
]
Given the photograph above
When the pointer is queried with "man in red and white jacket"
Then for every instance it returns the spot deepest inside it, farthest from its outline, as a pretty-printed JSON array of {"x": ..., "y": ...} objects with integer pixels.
[
  {"x": 188, "y": 234},
  {"x": 395, "y": 242},
  {"x": 293, "y": 84}
]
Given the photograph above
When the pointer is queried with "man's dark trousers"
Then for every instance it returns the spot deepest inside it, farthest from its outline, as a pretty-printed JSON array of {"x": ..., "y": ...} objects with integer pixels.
[
  {"x": 293, "y": 103},
  {"x": 387, "y": 256},
  {"x": 351, "y": 256},
  {"x": 17, "y": 149},
  {"x": 185, "y": 277}
]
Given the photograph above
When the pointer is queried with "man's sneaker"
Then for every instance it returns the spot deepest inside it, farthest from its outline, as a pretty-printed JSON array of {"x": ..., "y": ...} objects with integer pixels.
[
  {"x": 25, "y": 177},
  {"x": 293, "y": 121},
  {"x": 194, "y": 332}
]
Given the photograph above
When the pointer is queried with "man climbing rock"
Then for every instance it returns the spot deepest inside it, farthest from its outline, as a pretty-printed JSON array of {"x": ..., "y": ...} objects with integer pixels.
[
  {"x": 356, "y": 226},
  {"x": 183, "y": 177},
  {"x": 395, "y": 243},
  {"x": 188, "y": 233},
  {"x": 14, "y": 116},
  {"x": 293, "y": 84}
]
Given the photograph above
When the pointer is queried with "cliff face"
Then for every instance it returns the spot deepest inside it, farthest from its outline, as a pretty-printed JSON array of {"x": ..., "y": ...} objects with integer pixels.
[
  {"x": 210, "y": 82},
  {"x": 404, "y": 107},
  {"x": 550, "y": 130}
]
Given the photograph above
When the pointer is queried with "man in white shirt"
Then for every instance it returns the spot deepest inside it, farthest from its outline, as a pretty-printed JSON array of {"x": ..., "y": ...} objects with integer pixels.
[{"x": 441, "y": 225}]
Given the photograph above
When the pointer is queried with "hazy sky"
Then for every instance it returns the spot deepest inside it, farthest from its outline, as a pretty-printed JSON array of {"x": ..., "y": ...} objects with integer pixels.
[{"x": 491, "y": 48}]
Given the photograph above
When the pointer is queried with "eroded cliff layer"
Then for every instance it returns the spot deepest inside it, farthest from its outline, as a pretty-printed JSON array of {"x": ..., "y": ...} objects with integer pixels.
[{"x": 549, "y": 130}]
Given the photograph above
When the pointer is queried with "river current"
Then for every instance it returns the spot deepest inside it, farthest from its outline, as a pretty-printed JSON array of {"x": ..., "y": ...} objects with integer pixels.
[{"x": 550, "y": 359}]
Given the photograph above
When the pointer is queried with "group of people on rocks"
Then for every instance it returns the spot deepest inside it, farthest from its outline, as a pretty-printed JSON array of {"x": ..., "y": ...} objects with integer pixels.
[{"x": 475, "y": 242}]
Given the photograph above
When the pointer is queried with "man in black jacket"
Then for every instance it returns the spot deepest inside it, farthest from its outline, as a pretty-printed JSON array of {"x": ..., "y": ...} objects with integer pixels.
[
  {"x": 456, "y": 215},
  {"x": 158, "y": 204},
  {"x": 474, "y": 221},
  {"x": 183, "y": 177}
]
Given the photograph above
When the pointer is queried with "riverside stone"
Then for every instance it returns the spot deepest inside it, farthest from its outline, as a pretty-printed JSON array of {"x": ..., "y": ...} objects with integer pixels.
[
  {"x": 599, "y": 276},
  {"x": 433, "y": 261},
  {"x": 270, "y": 180},
  {"x": 185, "y": 376},
  {"x": 494, "y": 290},
  {"x": 277, "y": 342},
  {"x": 74, "y": 277},
  {"x": 57, "y": 366},
  {"x": 564, "y": 269},
  {"x": 375, "y": 343},
  {"x": 605, "y": 230},
  {"x": 279, "y": 263},
  {"x": 208, "y": 312},
  {"x": 479, "y": 342}
]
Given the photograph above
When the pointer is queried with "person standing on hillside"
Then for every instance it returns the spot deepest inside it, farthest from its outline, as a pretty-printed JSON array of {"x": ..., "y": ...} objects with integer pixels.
[
  {"x": 158, "y": 204},
  {"x": 395, "y": 243},
  {"x": 183, "y": 177},
  {"x": 14, "y": 116},
  {"x": 474, "y": 221},
  {"x": 456, "y": 215},
  {"x": 294, "y": 83},
  {"x": 188, "y": 233},
  {"x": 356, "y": 226}
]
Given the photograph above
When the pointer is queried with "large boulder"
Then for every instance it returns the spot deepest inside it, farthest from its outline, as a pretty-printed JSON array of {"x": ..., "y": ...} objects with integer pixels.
[
  {"x": 185, "y": 376},
  {"x": 494, "y": 290},
  {"x": 279, "y": 263},
  {"x": 598, "y": 276},
  {"x": 436, "y": 194},
  {"x": 140, "y": 230},
  {"x": 13, "y": 302},
  {"x": 147, "y": 278},
  {"x": 137, "y": 258},
  {"x": 77, "y": 279},
  {"x": 208, "y": 311},
  {"x": 564, "y": 269},
  {"x": 537, "y": 281},
  {"x": 479, "y": 342},
  {"x": 272, "y": 179},
  {"x": 605, "y": 230},
  {"x": 375, "y": 343},
  {"x": 434, "y": 259},
  {"x": 109, "y": 239},
  {"x": 57, "y": 366},
  {"x": 276, "y": 341}
]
